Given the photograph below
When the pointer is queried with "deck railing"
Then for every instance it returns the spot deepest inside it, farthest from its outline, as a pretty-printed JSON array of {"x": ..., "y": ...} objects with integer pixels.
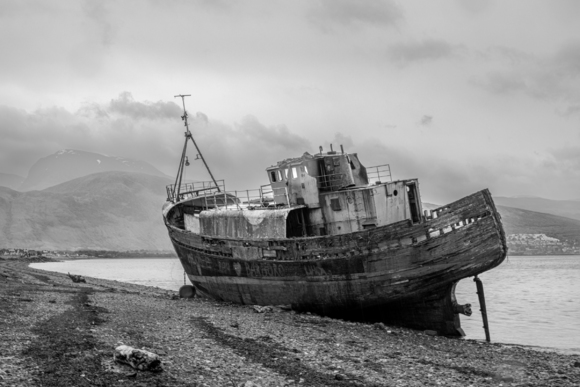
[
  {"x": 192, "y": 189},
  {"x": 330, "y": 182},
  {"x": 210, "y": 197}
]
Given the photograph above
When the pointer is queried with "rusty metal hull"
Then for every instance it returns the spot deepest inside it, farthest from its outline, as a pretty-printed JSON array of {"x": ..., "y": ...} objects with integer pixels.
[{"x": 401, "y": 273}]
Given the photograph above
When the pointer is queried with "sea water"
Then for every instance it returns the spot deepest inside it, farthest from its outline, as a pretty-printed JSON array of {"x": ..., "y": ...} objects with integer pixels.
[
  {"x": 164, "y": 273},
  {"x": 532, "y": 301}
]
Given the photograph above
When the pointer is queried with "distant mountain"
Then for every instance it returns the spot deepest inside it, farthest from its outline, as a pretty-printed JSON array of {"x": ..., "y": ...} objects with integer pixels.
[
  {"x": 11, "y": 181},
  {"x": 69, "y": 164},
  {"x": 102, "y": 211},
  {"x": 567, "y": 208},
  {"x": 518, "y": 221}
]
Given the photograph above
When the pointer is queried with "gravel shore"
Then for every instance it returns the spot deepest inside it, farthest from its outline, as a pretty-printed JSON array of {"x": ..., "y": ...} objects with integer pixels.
[{"x": 54, "y": 332}]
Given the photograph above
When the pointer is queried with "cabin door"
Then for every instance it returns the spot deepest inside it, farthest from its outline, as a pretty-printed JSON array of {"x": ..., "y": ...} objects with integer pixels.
[
  {"x": 414, "y": 202},
  {"x": 296, "y": 224}
]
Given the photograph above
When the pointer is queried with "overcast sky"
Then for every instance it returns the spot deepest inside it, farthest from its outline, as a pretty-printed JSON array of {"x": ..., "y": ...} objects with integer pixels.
[{"x": 463, "y": 94}]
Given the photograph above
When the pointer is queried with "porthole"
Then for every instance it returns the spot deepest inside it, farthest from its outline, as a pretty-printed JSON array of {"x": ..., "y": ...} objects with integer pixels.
[{"x": 395, "y": 192}]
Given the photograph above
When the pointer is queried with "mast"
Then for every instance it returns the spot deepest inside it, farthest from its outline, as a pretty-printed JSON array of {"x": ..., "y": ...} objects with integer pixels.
[{"x": 188, "y": 135}]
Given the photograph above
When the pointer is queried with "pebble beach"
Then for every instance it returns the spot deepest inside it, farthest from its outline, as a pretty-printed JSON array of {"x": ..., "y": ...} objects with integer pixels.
[{"x": 54, "y": 332}]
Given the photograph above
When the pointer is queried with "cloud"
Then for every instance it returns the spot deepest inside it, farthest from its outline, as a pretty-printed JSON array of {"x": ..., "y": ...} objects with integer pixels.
[
  {"x": 442, "y": 181},
  {"x": 125, "y": 105},
  {"x": 202, "y": 117},
  {"x": 426, "y": 50},
  {"x": 96, "y": 12},
  {"x": 250, "y": 130},
  {"x": 426, "y": 120},
  {"x": 570, "y": 110},
  {"x": 475, "y": 6},
  {"x": 503, "y": 83},
  {"x": 567, "y": 60},
  {"x": 568, "y": 161},
  {"x": 554, "y": 77},
  {"x": 240, "y": 153},
  {"x": 87, "y": 55},
  {"x": 338, "y": 140},
  {"x": 147, "y": 131},
  {"x": 566, "y": 10},
  {"x": 512, "y": 55},
  {"x": 328, "y": 14},
  {"x": 122, "y": 127},
  {"x": 249, "y": 138}
]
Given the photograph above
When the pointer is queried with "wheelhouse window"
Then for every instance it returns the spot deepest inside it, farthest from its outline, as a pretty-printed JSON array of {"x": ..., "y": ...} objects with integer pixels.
[
  {"x": 294, "y": 173},
  {"x": 273, "y": 176},
  {"x": 335, "y": 204}
]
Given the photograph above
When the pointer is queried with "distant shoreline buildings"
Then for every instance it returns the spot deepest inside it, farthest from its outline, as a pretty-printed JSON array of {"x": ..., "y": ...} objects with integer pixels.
[{"x": 540, "y": 244}]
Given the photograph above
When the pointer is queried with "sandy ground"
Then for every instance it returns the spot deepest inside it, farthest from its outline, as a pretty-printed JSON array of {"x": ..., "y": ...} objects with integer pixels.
[{"x": 54, "y": 332}]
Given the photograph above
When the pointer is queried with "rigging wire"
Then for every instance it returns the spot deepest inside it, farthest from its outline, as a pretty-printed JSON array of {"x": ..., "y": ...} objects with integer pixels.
[{"x": 188, "y": 136}]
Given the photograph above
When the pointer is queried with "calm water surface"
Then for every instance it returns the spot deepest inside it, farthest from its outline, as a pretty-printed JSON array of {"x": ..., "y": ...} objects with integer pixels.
[{"x": 530, "y": 300}]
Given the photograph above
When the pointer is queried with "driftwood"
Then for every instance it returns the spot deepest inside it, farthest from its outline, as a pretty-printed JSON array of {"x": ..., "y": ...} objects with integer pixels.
[
  {"x": 76, "y": 278},
  {"x": 262, "y": 309},
  {"x": 272, "y": 308},
  {"x": 139, "y": 359}
]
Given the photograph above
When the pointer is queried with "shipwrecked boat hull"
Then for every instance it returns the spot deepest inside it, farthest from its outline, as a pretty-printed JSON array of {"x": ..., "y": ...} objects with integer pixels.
[{"x": 401, "y": 273}]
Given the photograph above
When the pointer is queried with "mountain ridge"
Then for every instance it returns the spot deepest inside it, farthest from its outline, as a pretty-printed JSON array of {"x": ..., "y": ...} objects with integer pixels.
[
  {"x": 69, "y": 164},
  {"x": 108, "y": 210},
  {"x": 566, "y": 208},
  {"x": 10, "y": 180}
]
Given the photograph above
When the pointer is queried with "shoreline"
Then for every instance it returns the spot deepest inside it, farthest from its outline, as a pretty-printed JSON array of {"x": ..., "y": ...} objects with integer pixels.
[
  {"x": 58, "y": 333},
  {"x": 500, "y": 327}
]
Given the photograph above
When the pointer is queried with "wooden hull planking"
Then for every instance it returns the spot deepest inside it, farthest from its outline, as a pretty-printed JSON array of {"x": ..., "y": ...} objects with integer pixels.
[{"x": 400, "y": 273}]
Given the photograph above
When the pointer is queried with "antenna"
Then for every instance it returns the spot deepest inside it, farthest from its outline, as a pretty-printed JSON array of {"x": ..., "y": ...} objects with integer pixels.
[
  {"x": 183, "y": 156},
  {"x": 184, "y": 116}
]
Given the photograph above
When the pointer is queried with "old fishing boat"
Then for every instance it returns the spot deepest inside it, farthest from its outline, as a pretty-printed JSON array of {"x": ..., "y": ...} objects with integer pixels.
[{"x": 328, "y": 235}]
